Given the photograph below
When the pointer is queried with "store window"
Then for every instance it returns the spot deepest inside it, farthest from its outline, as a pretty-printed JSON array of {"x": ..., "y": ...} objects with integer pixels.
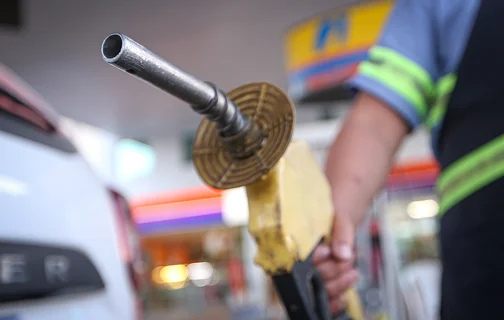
[
  {"x": 413, "y": 218},
  {"x": 195, "y": 272},
  {"x": 410, "y": 217}
]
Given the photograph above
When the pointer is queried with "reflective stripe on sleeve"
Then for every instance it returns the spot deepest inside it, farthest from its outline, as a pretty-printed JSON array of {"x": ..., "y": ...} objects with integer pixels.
[
  {"x": 402, "y": 75},
  {"x": 443, "y": 92}
]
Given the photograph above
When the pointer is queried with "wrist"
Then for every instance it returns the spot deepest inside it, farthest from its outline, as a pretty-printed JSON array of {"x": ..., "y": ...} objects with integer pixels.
[{"x": 349, "y": 215}]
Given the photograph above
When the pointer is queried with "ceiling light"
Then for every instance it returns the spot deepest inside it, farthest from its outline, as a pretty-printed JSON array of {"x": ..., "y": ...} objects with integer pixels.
[
  {"x": 423, "y": 209},
  {"x": 173, "y": 274},
  {"x": 201, "y": 273}
]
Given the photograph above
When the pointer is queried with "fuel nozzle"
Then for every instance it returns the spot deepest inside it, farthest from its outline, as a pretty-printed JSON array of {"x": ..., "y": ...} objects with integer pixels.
[{"x": 243, "y": 133}]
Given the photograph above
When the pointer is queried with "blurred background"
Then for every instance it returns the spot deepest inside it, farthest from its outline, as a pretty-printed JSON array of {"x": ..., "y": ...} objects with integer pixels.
[{"x": 97, "y": 162}]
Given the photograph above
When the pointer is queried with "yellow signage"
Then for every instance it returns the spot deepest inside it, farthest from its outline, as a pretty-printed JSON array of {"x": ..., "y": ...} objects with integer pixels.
[{"x": 334, "y": 41}]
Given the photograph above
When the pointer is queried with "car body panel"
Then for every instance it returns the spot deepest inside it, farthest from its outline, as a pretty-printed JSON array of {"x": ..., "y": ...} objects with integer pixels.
[{"x": 52, "y": 197}]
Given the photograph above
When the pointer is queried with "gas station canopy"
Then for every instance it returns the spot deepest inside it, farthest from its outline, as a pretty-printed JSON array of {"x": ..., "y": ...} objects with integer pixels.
[{"x": 323, "y": 51}]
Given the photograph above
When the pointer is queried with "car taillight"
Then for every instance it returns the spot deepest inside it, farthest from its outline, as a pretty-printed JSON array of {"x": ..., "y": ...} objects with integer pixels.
[
  {"x": 129, "y": 248},
  {"x": 125, "y": 247}
]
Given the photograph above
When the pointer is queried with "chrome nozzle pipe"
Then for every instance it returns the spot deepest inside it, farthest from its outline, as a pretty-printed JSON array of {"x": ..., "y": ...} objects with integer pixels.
[{"x": 127, "y": 55}]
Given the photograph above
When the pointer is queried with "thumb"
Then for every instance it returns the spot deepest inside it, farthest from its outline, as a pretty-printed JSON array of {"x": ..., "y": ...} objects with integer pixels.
[{"x": 342, "y": 238}]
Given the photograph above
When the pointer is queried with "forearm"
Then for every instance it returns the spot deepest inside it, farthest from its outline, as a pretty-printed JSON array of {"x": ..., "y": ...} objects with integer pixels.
[{"x": 362, "y": 154}]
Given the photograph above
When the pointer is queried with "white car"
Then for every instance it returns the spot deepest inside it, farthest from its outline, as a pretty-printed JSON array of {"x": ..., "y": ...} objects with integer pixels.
[{"x": 65, "y": 246}]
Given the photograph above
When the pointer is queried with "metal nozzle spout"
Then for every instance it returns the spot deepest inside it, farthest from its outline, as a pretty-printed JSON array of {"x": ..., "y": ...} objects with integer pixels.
[{"x": 133, "y": 58}]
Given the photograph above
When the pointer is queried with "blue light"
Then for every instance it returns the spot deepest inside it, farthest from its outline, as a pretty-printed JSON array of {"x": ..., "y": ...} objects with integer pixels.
[{"x": 133, "y": 160}]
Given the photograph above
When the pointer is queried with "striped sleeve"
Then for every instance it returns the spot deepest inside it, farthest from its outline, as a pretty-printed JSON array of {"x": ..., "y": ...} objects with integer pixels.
[{"x": 401, "y": 68}]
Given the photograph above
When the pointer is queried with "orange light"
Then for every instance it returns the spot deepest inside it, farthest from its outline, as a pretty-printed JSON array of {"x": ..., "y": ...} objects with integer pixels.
[
  {"x": 429, "y": 165},
  {"x": 197, "y": 193},
  {"x": 177, "y": 210},
  {"x": 176, "y": 206}
]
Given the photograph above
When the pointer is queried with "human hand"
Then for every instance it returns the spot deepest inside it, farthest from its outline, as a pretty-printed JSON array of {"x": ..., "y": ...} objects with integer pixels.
[{"x": 334, "y": 261}]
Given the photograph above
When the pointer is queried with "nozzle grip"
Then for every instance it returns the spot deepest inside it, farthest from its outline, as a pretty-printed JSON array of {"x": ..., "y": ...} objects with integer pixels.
[
  {"x": 303, "y": 293},
  {"x": 322, "y": 301}
]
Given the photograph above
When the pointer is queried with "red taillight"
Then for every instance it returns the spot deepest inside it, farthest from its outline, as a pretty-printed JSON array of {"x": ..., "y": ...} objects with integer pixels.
[
  {"x": 139, "y": 309},
  {"x": 24, "y": 112},
  {"x": 129, "y": 248},
  {"x": 129, "y": 245},
  {"x": 125, "y": 246}
]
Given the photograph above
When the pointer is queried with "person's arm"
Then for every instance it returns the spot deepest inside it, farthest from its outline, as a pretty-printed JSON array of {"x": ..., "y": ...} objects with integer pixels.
[
  {"x": 361, "y": 155},
  {"x": 395, "y": 86},
  {"x": 357, "y": 165}
]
